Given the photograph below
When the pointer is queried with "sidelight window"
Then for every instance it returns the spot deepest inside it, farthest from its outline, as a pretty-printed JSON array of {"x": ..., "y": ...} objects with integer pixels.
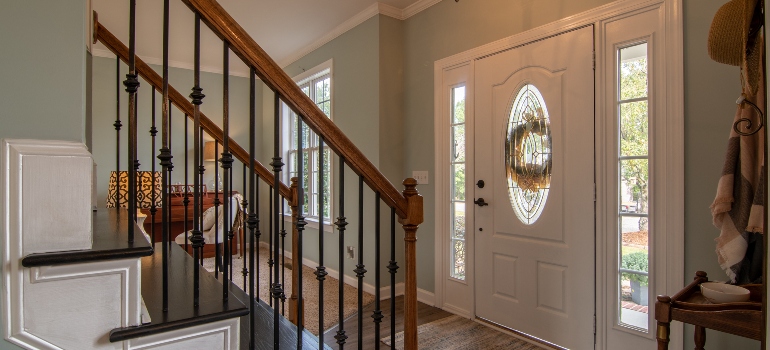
[
  {"x": 633, "y": 190},
  {"x": 457, "y": 186}
]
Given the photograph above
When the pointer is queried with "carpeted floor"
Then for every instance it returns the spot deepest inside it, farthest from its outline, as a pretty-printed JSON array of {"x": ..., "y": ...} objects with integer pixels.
[
  {"x": 309, "y": 291},
  {"x": 459, "y": 333}
]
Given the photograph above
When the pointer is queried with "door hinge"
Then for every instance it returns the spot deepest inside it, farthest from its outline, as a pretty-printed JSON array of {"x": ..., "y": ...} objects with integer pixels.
[
  {"x": 594, "y": 330},
  {"x": 594, "y": 60},
  {"x": 594, "y": 192}
]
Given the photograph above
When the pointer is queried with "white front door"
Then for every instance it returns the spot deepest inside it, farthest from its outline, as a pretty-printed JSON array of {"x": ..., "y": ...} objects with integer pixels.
[{"x": 534, "y": 150}]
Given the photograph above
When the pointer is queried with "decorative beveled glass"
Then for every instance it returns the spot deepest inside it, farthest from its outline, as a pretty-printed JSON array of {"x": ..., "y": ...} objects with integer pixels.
[{"x": 528, "y": 158}]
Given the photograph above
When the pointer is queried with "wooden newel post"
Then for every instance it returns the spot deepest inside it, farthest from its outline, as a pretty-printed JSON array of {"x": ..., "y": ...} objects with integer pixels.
[
  {"x": 414, "y": 217},
  {"x": 296, "y": 260}
]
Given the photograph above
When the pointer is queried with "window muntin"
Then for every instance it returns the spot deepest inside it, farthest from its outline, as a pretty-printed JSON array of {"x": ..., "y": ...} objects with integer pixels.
[
  {"x": 457, "y": 186},
  {"x": 528, "y": 160},
  {"x": 633, "y": 190},
  {"x": 318, "y": 88}
]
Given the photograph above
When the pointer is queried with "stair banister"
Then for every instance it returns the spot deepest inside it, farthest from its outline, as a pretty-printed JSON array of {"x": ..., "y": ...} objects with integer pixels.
[
  {"x": 116, "y": 46},
  {"x": 224, "y": 26}
]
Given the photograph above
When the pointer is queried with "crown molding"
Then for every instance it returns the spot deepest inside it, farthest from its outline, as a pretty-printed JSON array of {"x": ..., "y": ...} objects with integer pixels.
[
  {"x": 351, "y": 23},
  {"x": 417, "y": 7},
  {"x": 371, "y": 11},
  {"x": 390, "y": 11}
]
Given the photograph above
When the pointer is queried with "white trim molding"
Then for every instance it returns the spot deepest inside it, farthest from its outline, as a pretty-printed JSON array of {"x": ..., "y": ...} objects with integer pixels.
[
  {"x": 668, "y": 245},
  {"x": 44, "y": 306},
  {"x": 377, "y": 8},
  {"x": 221, "y": 335}
]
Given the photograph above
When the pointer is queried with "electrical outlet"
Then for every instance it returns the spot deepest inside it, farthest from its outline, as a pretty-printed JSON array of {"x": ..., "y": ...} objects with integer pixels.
[
  {"x": 351, "y": 252},
  {"x": 421, "y": 177}
]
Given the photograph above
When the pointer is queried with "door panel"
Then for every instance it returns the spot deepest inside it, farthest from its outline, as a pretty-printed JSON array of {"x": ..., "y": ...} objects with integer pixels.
[{"x": 536, "y": 274}]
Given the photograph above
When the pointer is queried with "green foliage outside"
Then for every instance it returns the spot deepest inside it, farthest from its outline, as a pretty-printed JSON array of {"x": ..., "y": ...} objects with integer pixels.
[
  {"x": 636, "y": 261},
  {"x": 634, "y": 130},
  {"x": 458, "y": 155}
]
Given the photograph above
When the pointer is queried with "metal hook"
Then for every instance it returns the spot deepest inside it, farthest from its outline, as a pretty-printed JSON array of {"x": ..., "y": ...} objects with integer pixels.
[{"x": 742, "y": 100}]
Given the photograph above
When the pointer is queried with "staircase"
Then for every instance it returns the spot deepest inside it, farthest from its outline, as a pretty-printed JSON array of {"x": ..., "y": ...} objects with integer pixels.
[{"x": 83, "y": 279}]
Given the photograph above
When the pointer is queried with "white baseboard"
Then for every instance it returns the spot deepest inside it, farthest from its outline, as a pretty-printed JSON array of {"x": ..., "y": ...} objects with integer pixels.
[
  {"x": 457, "y": 311},
  {"x": 426, "y": 297},
  {"x": 422, "y": 295}
]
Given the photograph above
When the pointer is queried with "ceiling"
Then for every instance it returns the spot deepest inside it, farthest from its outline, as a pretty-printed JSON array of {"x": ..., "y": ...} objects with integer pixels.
[{"x": 285, "y": 29}]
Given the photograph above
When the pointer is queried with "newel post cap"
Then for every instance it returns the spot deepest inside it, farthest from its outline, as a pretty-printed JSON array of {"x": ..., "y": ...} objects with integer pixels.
[{"x": 414, "y": 211}]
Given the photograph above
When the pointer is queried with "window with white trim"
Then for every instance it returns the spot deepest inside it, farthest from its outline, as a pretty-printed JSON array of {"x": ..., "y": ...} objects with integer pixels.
[
  {"x": 633, "y": 180},
  {"x": 457, "y": 187},
  {"x": 317, "y": 84}
]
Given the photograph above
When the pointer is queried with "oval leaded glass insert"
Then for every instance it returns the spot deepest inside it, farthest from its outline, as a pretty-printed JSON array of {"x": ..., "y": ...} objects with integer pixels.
[{"x": 528, "y": 154}]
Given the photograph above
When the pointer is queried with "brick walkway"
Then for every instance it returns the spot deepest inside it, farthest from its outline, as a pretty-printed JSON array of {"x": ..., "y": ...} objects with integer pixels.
[{"x": 633, "y": 306}]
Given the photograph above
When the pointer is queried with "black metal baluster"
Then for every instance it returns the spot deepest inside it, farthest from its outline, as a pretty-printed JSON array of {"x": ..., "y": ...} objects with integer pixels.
[
  {"x": 202, "y": 183},
  {"x": 360, "y": 270},
  {"x": 283, "y": 249},
  {"x": 245, "y": 206},
  {"x": 270, "y": 231},
  {"x": 257, "y": 234},
  {"x": 197, "y": 99},
  {"x": 253, "y": 199},
  {"x": 341, "y": 223},
  {"x": 117, "y": 126},
  {"x": 300, "y": 225},
  {"x": 320, "y": 273},
  {"x": 231, "y": 233},
  {"x": 153, "y": 133},
  {"x": 227, "y": 163},
  {"x": 393, "y": 268},
  {"x": 276, "y": 291},
  {"x": 377, "y": 314},
  {"x": 186, "y": 200},
  {"x": 132, "y": 85},
  {"x": 165, "y": 157},
  {"x": 136, "y": 156},
  {"x": 216, "y": 213}
]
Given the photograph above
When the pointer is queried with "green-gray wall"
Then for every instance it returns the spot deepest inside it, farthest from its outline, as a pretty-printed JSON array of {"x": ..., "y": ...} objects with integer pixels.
[{"x": 43, "y": 70}]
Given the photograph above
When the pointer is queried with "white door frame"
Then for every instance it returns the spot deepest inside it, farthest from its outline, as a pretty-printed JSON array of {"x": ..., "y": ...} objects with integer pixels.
[{"x": 670, "y": 222}]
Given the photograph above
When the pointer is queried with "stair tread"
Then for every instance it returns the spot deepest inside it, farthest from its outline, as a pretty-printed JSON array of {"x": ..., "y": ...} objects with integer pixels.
[
  {"x": 110, "y": 242},
  {"x": 181, "y": 313}
]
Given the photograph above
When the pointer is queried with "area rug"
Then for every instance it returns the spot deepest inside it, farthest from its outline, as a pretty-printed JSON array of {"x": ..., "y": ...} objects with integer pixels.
[
  {"x": 458, "y": 333},
  {"x": 309, "y": 291}
]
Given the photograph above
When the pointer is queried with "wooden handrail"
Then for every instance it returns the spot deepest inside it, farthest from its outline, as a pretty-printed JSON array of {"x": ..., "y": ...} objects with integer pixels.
[
  {"x": 241, "y": 43},
  {"x": 117, "y": 47}
]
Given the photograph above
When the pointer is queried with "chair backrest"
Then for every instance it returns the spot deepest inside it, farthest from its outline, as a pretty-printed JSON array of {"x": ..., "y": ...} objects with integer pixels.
[{"x": 178, "y": 190}]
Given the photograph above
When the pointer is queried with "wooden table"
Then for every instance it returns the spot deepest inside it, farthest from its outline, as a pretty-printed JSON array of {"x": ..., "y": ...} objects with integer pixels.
[
  {"x": 689, "y": 306},
  {"x": 178, "y": 221}
]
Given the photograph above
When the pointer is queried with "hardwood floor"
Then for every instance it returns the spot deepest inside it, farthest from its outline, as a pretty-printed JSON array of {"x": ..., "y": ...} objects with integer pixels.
[{"x": 425, "y": 314}]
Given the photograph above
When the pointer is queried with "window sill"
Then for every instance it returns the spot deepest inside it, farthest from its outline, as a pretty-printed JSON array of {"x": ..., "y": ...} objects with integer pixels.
[{"x": 311, "y": 223}]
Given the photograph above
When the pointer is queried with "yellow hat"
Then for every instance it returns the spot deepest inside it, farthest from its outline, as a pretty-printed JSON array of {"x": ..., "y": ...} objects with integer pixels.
[{"x": 731, "y": 40}]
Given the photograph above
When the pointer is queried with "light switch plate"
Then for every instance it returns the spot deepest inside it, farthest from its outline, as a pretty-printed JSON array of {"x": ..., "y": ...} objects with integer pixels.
[{"x": 421, "y": 177}]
